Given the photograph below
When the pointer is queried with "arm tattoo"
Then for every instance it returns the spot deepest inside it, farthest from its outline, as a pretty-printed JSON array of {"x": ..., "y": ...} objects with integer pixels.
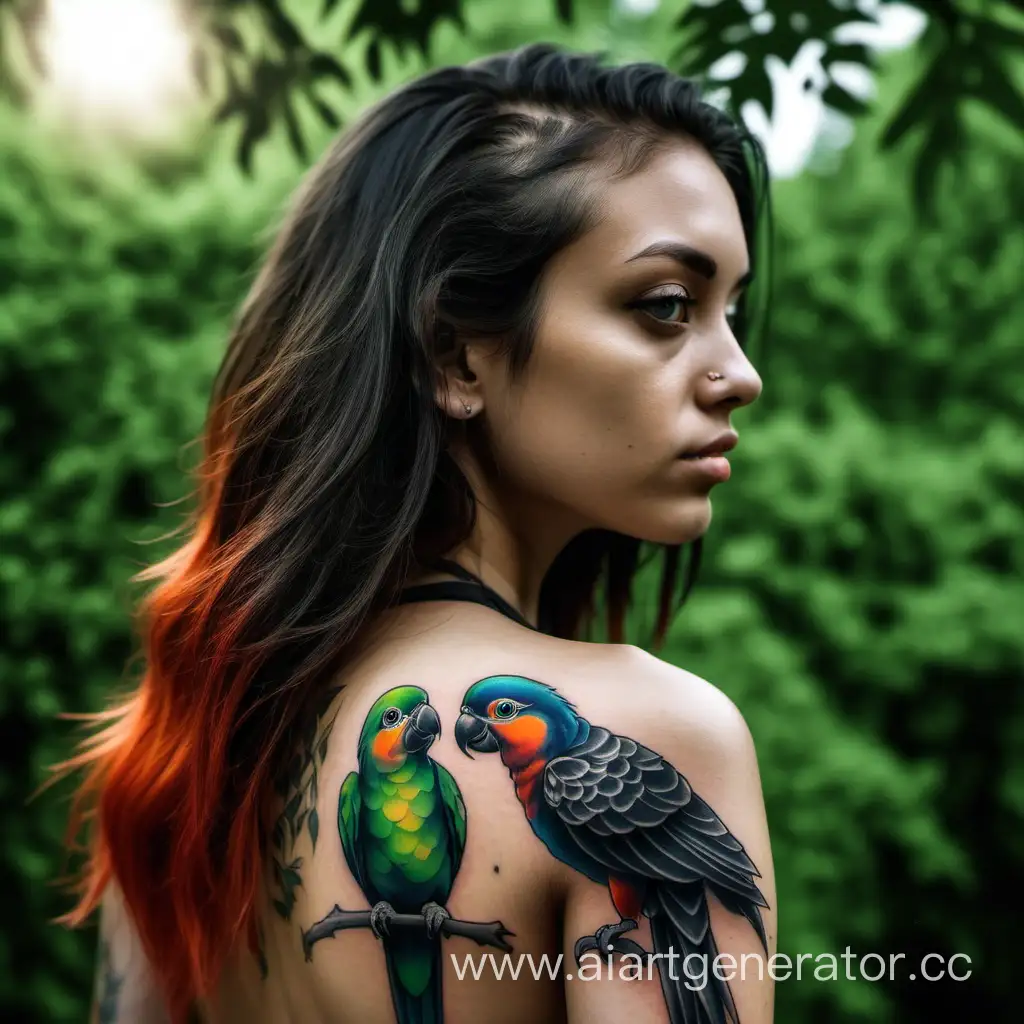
[{"x": 617, "y": 812}]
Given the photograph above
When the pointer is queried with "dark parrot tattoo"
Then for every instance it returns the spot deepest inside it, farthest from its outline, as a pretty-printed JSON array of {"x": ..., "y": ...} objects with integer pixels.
[
  {"x": 403, "y": 830},
  {"x": 620, "y": 814}
]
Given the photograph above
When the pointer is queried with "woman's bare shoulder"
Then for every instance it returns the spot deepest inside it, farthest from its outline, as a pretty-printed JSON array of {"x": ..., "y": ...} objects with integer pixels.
[
  {"x": 616, "y": 683},
  {"x": 622, "y": 684}
]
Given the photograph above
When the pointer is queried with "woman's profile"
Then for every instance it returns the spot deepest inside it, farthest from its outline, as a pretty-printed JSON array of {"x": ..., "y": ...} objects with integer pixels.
[{"x": 375, "y": 770}]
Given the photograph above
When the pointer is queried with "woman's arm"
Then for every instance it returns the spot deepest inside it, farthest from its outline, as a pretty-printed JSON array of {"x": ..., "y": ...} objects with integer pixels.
[
  {"x": 709, "y": 933},
  {"x": 125, "y": 990}
]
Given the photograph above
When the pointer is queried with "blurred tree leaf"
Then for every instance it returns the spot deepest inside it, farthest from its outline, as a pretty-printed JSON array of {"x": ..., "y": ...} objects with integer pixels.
[
  {"x": 968, "y": 53},
  {"x": 840, "y": 99},
  {"x": 403, "y": 25},
  {"x": 710, "y": 33},
  {"x": 968, "y": 42}
]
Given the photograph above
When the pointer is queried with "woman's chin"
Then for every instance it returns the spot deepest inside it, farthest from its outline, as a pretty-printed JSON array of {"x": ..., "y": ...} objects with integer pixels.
[{"x": 678, "y": 523}]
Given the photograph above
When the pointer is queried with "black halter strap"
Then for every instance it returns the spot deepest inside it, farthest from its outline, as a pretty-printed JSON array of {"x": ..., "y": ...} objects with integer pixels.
[{"x": 468, "y": 587}]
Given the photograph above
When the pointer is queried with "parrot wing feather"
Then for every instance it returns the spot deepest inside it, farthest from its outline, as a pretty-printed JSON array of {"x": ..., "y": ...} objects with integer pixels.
[
  {"x": 632, "y": 811},
  {"x": 350, "y": 805},
  {"x": 455, "y": 814}
]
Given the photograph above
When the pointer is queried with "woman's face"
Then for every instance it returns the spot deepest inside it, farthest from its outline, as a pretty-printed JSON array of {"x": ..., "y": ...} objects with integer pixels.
[{"x": 617, "y": 388}]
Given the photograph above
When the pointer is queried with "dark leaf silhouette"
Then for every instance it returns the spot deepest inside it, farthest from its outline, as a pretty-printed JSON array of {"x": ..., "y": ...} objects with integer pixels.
[
  {"x": 262, "y": 76},
  {"x": 323, "y": 65},
  {"x": 228, "y": 36},
  {"x": 256, "y": 127},
  {"x": 326, "y": 112},
  {"x": 836, "y": 96},
  {"x": 373, "y": 64},
  {"x": 1004, "y": 96},
  {"x": 295, "y": 138},
  {"x": 916, "y": 105}
]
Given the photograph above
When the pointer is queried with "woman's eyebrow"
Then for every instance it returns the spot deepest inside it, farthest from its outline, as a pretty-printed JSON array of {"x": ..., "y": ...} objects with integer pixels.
[{"x": 687, "y": 256}]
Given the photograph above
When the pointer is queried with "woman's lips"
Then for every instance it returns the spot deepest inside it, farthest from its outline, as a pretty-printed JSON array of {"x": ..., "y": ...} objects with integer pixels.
[{"x": 716, "y": 466}]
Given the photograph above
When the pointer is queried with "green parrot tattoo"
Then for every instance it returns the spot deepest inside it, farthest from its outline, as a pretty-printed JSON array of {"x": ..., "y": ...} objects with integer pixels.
[{"x": 402, "y": 822}]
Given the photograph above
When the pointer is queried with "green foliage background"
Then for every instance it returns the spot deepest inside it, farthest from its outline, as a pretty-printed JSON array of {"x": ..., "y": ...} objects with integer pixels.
[{"x": 862, "y": 599}]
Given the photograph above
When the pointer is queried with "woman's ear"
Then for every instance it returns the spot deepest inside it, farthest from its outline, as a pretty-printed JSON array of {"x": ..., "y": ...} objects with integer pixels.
[{"x": 459, "y": 393}]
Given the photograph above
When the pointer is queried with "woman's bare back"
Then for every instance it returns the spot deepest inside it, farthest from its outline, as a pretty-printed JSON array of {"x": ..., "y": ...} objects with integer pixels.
[{"x": 506, "y": 891}]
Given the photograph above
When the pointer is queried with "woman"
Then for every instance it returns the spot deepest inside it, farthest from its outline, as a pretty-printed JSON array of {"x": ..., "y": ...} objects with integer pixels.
[{"x": 490, "y": 360}]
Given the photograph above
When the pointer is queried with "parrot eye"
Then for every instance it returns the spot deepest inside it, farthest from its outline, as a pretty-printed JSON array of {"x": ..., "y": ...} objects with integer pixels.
[
  {"x": 391, "y": 718},
  {"x": 506, "y": 708}
]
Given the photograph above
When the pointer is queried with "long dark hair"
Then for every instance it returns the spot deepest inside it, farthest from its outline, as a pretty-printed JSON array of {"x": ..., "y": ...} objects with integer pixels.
[{"x": 326, "y": 474}]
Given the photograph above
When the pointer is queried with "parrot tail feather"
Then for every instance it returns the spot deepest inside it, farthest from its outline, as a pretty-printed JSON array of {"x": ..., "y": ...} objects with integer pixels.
[
  {"x": 693, "y": 994},
  {"x": 414, "y": 973}
]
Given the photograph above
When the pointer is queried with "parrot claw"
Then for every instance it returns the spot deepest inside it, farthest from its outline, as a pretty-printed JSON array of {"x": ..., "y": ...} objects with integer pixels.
[
  {"x": 435, "y": 916},
  {"x": 381, "y": 915},
  {"x": 607, "y": 940}
]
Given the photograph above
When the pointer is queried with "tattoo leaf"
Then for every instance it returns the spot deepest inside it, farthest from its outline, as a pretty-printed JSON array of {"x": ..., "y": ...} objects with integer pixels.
[
  {"x": 109, "y": 987},
  {"x": 261, "y": 955},
  {"x": 298, "y": 786},
  {"x": 291, "y": 808}
]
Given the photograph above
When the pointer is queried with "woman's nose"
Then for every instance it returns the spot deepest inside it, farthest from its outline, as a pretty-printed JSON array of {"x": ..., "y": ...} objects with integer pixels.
[{"x": 734, "y": 380}]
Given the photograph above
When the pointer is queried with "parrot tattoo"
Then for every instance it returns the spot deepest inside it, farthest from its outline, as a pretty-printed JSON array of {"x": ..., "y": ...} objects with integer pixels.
[
  {"x": 617, "y": 812},
  {"x": 403, "y": 830}
]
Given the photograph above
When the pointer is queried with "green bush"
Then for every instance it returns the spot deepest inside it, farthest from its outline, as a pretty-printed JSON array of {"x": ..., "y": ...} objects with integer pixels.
[
  {"x": 115, "y": 295},
  {"x": 864, "y": 598}
]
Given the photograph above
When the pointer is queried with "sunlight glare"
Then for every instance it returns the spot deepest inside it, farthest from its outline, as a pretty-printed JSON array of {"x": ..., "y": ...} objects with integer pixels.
[{"x": 120, "y": 60}]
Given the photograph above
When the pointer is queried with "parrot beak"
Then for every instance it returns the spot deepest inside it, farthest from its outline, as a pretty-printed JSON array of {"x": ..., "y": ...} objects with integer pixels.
[
  {"x": 422, "y": 728},
  {"x": 472, "y": 733}
]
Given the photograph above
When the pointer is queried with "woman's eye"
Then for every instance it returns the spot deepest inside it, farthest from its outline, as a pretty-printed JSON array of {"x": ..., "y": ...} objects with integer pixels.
[{"x": 672, "y": 307}]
